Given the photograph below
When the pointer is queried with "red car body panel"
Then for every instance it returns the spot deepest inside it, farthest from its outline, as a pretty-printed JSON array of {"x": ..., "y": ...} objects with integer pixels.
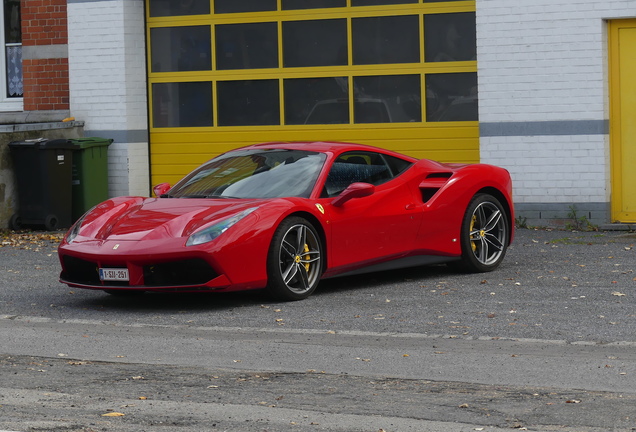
[{"x": 416, "y": 214}]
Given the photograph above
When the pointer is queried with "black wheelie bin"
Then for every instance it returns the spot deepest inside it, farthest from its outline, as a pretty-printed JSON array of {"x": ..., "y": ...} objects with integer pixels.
[{"x": 43, "y": 171}]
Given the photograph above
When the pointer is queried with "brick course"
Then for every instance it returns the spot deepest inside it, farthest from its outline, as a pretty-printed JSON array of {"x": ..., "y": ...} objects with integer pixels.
[
  {"x": 46, "y": 81},
  {"x": 46, "y": 84}
]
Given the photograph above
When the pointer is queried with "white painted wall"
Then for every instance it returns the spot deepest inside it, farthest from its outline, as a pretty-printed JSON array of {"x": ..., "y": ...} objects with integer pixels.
[
  {"x": 107, "y": 71},
  {"x": 546, "y": 61}
]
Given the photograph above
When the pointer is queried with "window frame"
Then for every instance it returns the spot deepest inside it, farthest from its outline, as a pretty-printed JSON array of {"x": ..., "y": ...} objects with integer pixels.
[
  {"x": 7, "y": 104},
  {"x": 350, "y": 70}
]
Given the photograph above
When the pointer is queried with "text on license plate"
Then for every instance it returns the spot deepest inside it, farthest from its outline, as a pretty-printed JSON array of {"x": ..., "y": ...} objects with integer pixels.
[{"x": 113, "y": 274}]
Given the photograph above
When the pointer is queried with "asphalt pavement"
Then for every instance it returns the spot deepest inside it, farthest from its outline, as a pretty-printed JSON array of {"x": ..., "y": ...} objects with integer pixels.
[{"x": 547, "y": 342}]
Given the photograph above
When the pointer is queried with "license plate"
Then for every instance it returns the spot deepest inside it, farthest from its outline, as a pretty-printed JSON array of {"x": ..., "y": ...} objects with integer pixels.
[{"x": 113, "y": 274}]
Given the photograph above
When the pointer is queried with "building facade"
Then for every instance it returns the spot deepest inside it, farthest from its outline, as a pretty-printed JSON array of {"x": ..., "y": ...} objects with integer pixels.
[{"x": 538, "y": 87}]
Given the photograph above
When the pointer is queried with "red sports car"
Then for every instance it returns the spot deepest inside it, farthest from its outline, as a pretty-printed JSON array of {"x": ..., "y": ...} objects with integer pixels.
[{"x": 283, "y": 216}]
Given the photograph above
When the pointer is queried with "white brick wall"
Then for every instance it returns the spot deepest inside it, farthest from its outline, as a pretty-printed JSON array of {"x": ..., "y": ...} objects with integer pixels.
[
  {"x": 552, "y": 169},
  {"x": 547, "y": 61},
  {"x": 108, "y": 84}
]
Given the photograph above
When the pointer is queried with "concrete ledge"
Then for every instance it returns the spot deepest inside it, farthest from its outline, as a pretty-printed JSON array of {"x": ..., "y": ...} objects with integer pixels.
[
  {"x": 618, "y": 227},
  {"x": 18, "y": 118}
]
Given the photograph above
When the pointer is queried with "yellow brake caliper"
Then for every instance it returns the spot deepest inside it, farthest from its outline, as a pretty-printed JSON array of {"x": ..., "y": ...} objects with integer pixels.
[
  {"x": 307, "y": 257},
  {"x": 473, "y": 243}
]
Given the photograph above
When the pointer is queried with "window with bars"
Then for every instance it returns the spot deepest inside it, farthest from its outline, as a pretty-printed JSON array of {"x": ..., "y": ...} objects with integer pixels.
[{"x": 226, "y": 63}]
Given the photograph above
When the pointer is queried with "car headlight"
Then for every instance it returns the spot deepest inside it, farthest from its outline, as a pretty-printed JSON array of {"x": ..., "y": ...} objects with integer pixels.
[
  {"x": 213, "y": 231},
  {"x": 75, "y": 229}
]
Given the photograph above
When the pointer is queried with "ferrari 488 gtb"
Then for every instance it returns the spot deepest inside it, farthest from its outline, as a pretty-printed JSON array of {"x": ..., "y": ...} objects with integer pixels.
[{"x": 283, "y": 216}]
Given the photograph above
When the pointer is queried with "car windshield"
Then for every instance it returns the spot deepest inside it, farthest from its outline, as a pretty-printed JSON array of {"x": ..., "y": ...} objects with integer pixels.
[{"x": 260, "y": 173}]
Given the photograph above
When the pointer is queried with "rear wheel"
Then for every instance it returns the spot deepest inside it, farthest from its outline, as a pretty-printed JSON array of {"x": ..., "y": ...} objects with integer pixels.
[
  {"x": 294, "y": 262},
  {"x": 484, "y": 234}
]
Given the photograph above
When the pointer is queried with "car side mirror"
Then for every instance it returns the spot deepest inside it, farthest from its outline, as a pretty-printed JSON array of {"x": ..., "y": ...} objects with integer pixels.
[
  {"x": 161, "y": 189},
  {"x": 354, "y": 190}
]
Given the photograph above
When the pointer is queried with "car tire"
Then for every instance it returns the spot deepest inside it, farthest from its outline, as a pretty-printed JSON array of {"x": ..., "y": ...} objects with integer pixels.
[
  {"x": 295, "y": 260},
  {"x": 485, "y": 233}
]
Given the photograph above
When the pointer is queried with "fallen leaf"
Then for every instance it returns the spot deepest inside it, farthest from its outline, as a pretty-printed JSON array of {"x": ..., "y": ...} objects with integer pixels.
[{"x": 618, "y": 294}]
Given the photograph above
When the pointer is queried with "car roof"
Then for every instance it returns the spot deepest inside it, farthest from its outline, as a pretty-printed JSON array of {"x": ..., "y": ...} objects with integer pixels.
[{"x": 327, "y": 147}]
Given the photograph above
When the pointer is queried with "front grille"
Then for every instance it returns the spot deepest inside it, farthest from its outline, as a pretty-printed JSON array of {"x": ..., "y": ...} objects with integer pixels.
[
  {"x": 179, "y": 273},
  {"x": 80, "y": 271}
]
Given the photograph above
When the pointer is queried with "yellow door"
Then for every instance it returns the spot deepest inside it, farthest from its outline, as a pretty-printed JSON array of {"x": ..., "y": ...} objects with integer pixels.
[{"x": 623, "y": 119}]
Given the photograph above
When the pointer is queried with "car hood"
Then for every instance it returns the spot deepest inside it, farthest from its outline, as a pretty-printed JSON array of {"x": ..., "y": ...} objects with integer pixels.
[{"x": 135, "y": 218}]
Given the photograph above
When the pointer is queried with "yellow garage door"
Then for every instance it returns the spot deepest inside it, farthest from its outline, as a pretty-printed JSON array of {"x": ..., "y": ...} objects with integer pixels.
[
  {"x": 622, "y": 119},
  {"x": 400, "y": 74}
]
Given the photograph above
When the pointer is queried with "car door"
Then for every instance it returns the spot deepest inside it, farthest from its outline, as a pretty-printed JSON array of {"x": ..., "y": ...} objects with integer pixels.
[{"x": 374, "y": 228}]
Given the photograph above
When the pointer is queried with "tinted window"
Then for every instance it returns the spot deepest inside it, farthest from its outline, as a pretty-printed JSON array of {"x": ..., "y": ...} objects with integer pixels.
[
  {"x": 316, "y": 101},
  {"x": 248, "y": 103},
  {"x": 187, "y": 104},
  {"x": 450, "y": 37},
  {"x": 393, "y": 39},
  {"x": 312, "y": 4},
  {"x": 232, "y": 6},
  {"x": 246, "y": 46},
  {"x": 387, "y": 99},
  {"x": 353, "y": 167},
  {"x": 380, "y": 2},
  {"x": 397, "y": 165},
  {"x": 315, "y": 43},
  {"x": 181, "y": 49},
  {"x": 451, "y": 97},
  {"x": 160, "y": 8}
]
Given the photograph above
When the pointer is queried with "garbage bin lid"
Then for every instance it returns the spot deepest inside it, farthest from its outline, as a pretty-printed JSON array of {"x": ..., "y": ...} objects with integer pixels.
[
  {"x": 61, "y": 143},
  {"x": 87, "y": 142},
  {"x": 42, "y": 144}
]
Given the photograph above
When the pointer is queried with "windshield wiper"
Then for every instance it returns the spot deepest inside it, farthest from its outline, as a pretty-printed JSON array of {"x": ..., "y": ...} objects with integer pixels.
[{"x": 223, "y": 197}]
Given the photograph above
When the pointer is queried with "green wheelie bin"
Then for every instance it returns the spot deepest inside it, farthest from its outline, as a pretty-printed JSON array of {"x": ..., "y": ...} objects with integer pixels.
[{"x": 90, "y": 173}]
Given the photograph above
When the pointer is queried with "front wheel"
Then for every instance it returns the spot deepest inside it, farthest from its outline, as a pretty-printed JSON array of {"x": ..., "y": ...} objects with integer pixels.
[
  {"x": 294, "y": 262},
  {"x": 485, "y": 232}
]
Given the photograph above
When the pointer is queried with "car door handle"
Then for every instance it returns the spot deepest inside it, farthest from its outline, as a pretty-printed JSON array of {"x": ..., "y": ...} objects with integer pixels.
[{"x": 410, "y": 206}]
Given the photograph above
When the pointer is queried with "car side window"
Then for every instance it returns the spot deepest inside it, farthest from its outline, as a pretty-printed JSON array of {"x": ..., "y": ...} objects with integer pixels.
[{"x": 353, "y": 167}]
